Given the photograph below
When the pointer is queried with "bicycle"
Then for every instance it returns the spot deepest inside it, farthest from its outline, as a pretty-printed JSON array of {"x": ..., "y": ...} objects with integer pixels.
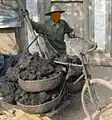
[
  {"x": 89, "y": 83},
  {"x": 90, "y": 90},
  {"x": 97, "y": 98}
]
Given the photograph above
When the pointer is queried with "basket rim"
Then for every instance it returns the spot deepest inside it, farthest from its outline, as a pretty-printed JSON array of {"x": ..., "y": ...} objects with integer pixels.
[
  {"x": 34, "y": 106},
  {"x": 39, "y": 80}
]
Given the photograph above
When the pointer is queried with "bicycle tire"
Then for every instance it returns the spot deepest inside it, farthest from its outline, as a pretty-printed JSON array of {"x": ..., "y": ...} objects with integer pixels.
[{"x": 100, "y": 82}]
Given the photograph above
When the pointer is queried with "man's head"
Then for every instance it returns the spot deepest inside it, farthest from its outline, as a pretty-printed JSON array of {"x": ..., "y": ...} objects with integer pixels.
[
  {"x": 55, "y": 13},
  {"x": 55, "y": 16}
]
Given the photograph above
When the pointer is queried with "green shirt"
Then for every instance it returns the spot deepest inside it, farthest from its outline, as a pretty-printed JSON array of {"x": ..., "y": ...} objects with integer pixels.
[{"x": 53, "y": 33}]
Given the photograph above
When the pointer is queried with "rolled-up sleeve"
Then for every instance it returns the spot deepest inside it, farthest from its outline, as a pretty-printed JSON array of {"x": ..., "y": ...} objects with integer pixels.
[{"x": 68, "y": 30}]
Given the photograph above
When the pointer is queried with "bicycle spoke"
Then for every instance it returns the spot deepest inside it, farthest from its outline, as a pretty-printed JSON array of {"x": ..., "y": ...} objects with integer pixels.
[
  {"x": 96, "y": 99},
  {"x": 99, "y": 98}
]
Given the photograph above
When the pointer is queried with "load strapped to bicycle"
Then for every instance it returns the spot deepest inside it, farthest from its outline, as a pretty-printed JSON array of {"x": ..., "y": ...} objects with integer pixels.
[
  {"x": 72, "y": 67},
  {"x": 96, "y": 95},
  {"x": 89, "y": 84},
  {"x": 89, "y": 89},
  {"x": 92, "y": 96}
]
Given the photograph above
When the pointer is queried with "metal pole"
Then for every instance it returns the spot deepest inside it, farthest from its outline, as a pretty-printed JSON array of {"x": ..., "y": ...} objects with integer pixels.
[{"x": 30, "y": 26}]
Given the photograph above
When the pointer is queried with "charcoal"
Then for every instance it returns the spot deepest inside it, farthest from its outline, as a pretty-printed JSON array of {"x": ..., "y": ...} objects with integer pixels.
[
  {"x": 62, "y": 58},
  {"x": 7, "y": 88},
  {"x": 18, "y": 93},
  {"x": 74, "y": 71},
  {"x": 32, "y": 77},
  {"x": 34, "y": 98},
  {"x": 12, "y": 93},
  {"x": 73, "y": 59},
  {"x": 12, "y": 74},
  {"x": 24, "y": 75},
  {"x": 31, "y": 67},
  {"x": 27, "y": 98},
  {"x": 10, "y": 99},
  {"x": 43, "y": 96}
]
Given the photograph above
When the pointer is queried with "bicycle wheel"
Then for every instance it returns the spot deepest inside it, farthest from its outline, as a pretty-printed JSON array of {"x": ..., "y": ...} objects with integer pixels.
[{"x": 97, "y": 100}]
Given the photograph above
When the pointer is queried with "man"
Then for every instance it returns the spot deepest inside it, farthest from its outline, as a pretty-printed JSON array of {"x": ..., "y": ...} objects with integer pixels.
[{"x": 53, "y": 31}]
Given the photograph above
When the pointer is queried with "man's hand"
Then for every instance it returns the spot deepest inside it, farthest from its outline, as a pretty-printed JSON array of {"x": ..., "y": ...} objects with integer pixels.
[
  {"x": 25, "y": 13},
  {"x": 71, "y": 34},
  {"x": 93, "y": 45}
]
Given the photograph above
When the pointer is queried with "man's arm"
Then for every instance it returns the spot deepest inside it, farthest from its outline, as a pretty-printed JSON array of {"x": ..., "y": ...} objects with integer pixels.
[
  {"x": 38, "y": 27},
  {"x": 68, "y": 30}
]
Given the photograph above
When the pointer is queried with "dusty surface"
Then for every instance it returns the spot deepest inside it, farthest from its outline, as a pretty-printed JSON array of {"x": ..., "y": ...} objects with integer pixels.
[
  {"x": 8, "y": 42},
  {"x": 16, "y": 114},
  {"x": 75, "y": 111}
]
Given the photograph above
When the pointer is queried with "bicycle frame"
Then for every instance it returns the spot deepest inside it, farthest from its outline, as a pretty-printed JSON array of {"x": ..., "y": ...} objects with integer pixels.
[
  {"x": 84, "y": 65},
  {"x": 86, "y": 72}
]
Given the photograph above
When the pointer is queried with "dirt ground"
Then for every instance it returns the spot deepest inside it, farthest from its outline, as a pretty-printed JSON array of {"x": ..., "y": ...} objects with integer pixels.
[{"x": 75, "y": 111}]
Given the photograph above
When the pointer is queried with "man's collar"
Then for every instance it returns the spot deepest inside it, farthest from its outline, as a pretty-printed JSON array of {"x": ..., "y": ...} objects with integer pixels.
[{"x": 53, "y": 23}]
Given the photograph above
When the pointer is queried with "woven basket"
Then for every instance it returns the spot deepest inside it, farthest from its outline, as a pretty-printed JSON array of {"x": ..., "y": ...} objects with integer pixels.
[
  {"x": 42, "y": 108},
  {"x": 8, "y": 106},
  {"x": 40, "y": 85}
]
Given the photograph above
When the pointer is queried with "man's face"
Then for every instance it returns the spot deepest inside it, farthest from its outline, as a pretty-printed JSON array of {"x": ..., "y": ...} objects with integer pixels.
[{"x": 55, "y": 16}]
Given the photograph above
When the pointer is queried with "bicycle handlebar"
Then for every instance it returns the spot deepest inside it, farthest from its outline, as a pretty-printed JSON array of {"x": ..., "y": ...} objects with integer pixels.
[
  {"x": 89, "y": 42},
  {"x": 93, "y": 48},
  {"x": 66, "y": 63}
]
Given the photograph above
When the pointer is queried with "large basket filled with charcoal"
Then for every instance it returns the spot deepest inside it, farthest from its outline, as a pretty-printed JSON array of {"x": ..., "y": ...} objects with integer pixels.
[
  {"x": 32, "y": 82},
  {"x": 40, "y": 85},
  {"x": 41, "y": 108},
  {"x": 37, "y": 102},
  {"x": 35, "y": 74},
  {"x": 73, "y": 64}
]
